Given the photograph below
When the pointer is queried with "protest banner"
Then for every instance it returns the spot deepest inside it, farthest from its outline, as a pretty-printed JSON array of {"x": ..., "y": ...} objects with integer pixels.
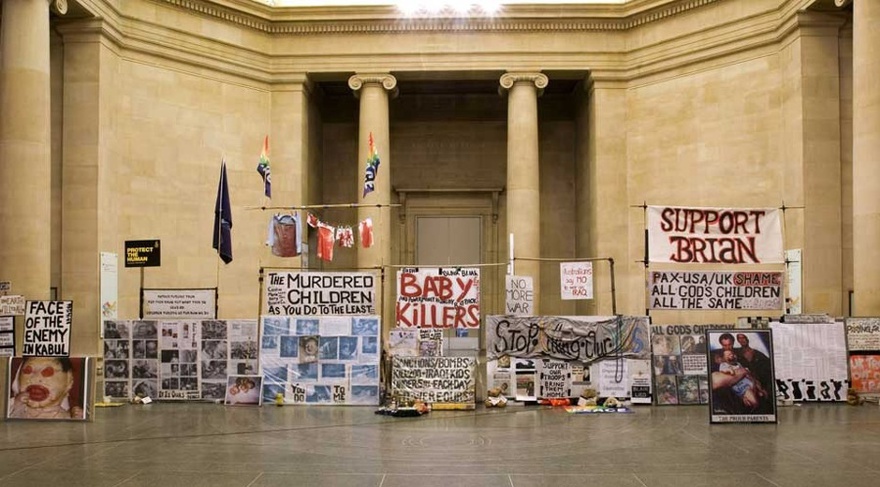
[
  {"x": 863, "y": 334},
  {"x": 714, "y": 235},
  {"x": 587, "y": 339},
  {"x": 714, "y": 290},
  {"x": 438, "y": 297},
  {"x": 47, "y": 328},
  {"x": 12, "y": 305},
  {"x": 520, "y": 296},
  {"x": 811, "y": 361},
  {"x": 320, "y": 293},
  {"x": 435, "y": 380}
]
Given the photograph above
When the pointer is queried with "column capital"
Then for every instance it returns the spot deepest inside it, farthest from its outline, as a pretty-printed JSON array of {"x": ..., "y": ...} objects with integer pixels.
[
  {"x": 59, "y": 6},
  {"x": 842, "y": 3},
  {"x": 386, "y": 80},
  {"x": 540, "y": 80}
]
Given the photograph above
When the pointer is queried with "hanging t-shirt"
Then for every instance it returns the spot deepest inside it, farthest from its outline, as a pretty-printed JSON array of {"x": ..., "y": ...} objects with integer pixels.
[
  {"x": 365, "y": 228},
  {"x": 326, "y": 239},
  {"x": 284, "y": 235},
  {"x": 345, "y": 236}
]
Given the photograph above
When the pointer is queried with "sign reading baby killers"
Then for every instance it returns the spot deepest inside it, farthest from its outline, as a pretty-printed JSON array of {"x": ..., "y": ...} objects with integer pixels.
[
  {"x": 583, "y": 339},
  {"x": 714, "y": 290},
  {"x": 320, "y": 293},
  {"x": 714, "y": 235},
  {"x": 47, "y": 328},
  {"x": 449, "y": 380},
  {"x": 444, "y": 297}
]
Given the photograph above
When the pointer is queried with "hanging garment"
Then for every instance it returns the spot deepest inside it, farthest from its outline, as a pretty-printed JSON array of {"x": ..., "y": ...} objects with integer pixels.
[
  {"x": 284, "y": 235},
  {"x": 345, "y": 235},
  {"x": 312, "y": 220},
  {"x": 326, "y": 239},
  {"x": 365, "y": 228}
]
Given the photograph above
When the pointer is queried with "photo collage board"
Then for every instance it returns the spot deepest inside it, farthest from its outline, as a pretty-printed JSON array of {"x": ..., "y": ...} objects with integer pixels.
[
  {"x": 679, "y": 363},
  {"x": 177, "y": 359},
  {"x": 320, "y": 360}
]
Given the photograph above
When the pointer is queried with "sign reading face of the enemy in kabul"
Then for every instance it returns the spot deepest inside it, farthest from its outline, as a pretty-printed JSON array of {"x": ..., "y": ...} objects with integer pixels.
[
  {"x": 320, "y": 293},
  {"x": 714, "y": 235},
  {"x": 444, "y": 297},
  {"x": 47, "y": 328}
]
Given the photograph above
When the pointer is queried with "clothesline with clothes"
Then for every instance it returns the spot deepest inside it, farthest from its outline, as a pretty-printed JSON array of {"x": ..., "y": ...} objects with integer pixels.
[{"x": 284, "y": 235}]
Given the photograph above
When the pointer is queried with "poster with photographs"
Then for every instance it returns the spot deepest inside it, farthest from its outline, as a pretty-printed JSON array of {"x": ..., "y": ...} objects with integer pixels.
[
  {"x": 244, "y": 390},
  {"x": 403, "y": 342},
  {"x": 320, "y": 360},
  {"x": 49, "y": 388},
  {"x": 741, "y": 376},
  {"x": 430, "y": 342},
  {"x": 617, "y": 377},
  {"x": 117, "y": 359},
  {"x": 145, "y": 358},
  {"x": 863, "y": 343},
  {"x": 679, "y": 363},
  {"x": 526, "y": 379},
  {"x": 179, "y": 359}
]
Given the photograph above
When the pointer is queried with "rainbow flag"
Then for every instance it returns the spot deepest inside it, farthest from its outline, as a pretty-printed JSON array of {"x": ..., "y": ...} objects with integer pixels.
[
  {"x": 372, "y": 169},
  {"x": 263, "y": 168}
]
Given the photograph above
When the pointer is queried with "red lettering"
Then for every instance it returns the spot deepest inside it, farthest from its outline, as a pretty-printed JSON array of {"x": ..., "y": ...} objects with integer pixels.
[
  {"x": 402, "y": 319},
  {"x": 465, "y": 285},
  {"x": 409, "y": 286},
  {"x": 665, "y": 222}
]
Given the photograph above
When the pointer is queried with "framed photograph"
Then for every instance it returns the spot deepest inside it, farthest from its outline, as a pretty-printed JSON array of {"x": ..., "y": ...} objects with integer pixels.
[
  {"x": 244, "y": 390},
  {"x": 49, "y": 388},
  {"x": 741, "y": 378}
]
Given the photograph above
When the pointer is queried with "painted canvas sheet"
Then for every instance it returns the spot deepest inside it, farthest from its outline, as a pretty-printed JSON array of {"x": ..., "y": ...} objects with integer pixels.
[
  {"x": 435, "y": 380},
  {"x": 714, "y": 290},
  {"x": 714, "y": 235},
  {"x": 438, "y": 297},
  {"x": 811, "y": 361},
  {"x": 320, "y": 293}
]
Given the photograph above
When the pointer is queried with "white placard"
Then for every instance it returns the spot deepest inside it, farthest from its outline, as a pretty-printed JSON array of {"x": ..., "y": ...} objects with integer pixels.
[
  {"x": 714, "y": 235},
  {"x": 11, "y": 305},
  {"x": 109, "y": 285},
  {"x": 160, "y": 304},
  {"x": 714, "y": 290},
  {"x": 576, "y": 280},
  {"x": 438, "y": 297},
  {"x": 520, "y": 295},
  {"x": 47, "y": 328},
  {"x": 320, "y": 293}
]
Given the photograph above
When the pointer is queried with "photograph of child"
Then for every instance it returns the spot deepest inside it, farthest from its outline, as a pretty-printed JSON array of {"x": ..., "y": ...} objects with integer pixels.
[
  {"x": 244, "y": 390},
  {"x": 47, "y": 388}
]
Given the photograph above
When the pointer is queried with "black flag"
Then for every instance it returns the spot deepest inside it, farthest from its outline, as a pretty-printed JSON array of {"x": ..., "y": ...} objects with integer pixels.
[{"x": 223, "y": 219}]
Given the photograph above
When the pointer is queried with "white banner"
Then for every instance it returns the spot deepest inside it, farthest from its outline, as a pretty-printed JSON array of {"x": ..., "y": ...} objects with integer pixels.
[
  {"x": 444, "y": 297},
  {"x": 811, "y": 362},
  {"x": 520, "y": 295},
  {"x": 576, "y": 280},
  {"x": 714, "y": 235},
  {"x": 162, "y": 304},
  {"x": 320, "y": 293},
  {"x": 434, "y": 379},
  {"x": 47, "y": 328},
  {"x": 714, "y": 290}
]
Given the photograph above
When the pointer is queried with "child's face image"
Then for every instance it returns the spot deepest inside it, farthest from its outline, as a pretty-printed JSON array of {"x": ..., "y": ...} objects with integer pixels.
[
  {"x": 729, "y": 357},
  {"x": 311, "y": 347},
  {"x": 44, "y": 382}
]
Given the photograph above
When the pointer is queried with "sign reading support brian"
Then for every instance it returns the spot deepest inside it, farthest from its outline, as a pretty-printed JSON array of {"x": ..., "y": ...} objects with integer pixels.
[
  {"x": 714, "y": 290},
  {"x": 577, "y": 280},
  {"x": 47, "y": 328},
  {"x": 161, "y": 304},
  {"x": 444, "y": 297},
  {"x": 321, "y": 293},
  {"x": 143, "y": 253},
  {"x": 714, "y": 235}
]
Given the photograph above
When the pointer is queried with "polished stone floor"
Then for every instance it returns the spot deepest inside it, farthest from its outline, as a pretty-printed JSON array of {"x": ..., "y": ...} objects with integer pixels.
[{"x": 210, "y": 445}]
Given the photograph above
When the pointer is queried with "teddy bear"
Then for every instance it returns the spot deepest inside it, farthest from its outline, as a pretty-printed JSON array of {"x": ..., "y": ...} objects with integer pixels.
[{"x": 495, "y": 398}]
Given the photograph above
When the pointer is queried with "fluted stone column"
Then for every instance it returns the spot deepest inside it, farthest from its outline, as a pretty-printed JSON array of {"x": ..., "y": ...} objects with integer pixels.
[
  {"x": 523, "y": 172},
  {"x": 866, "y": 157},
  {"x": 374, "y": 90},
  {"x": 25, "y": 147}
]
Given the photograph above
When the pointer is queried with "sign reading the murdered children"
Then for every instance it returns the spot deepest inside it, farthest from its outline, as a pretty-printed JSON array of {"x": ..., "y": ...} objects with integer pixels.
[
  {"x": 714, "y": 290},
  {"x": 47, "y": 328},
  {"x": 320, "y": 293},
  {"x": 444, "y": 297},
  {"x": 567, "y": 338},
  {"x": 714, "y": 235},
  {"x": 449, "y": 380}
]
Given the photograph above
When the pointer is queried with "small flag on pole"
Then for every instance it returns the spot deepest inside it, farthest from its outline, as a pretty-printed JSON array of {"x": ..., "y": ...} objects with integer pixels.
[
  {"x": 372, "y": 168},
  {"x": 223, "y": 218},
  {"x": 263, "y": 168}
]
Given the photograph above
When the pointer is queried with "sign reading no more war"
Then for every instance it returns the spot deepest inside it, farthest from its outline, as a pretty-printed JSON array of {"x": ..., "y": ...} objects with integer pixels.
[
  {"x": 320, "y": 293},
  {"x": 47, "y": 328},
  {"x": 714, "y": 235},
  {"x": 714, "y": 290},
  {"x": 438, "y": 297}
]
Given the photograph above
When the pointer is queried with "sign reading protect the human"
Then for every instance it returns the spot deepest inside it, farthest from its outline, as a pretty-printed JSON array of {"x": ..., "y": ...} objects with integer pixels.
[
  {"x": 47, "y": 328},
  {"x": 143, "y": 253}
]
